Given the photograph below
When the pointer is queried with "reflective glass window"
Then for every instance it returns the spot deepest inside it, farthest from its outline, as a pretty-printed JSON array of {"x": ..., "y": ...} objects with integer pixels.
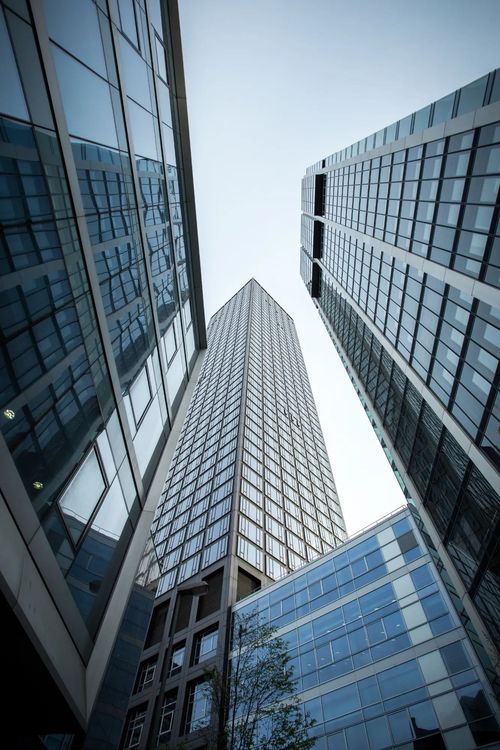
[
  {"x": 378, "y": 733},
  {"x": 82, "y": 495},
  {"x": 472, "y": 96},
  {"x": 421, "y": 120},
  {"x": 454, "y": 657},
  {"x": 136, "y": 74},
  {"x": 12, "y": 100},
  {"x": 341, "y": 702},
  {"x": 74, "y": 25},
  {"x": 177, "y": 658},
  {"x": 128, "y": 20},
  {"x": 423, "y": 719},
  {"x": 399, "y": 679},
  {"x": 487, "y": 160},
  {"x": 143, "y": 131},
  {"x": 140, "y": 394},
  {"x": 205, "y": 646},
  {"x": 443, "y": 109},
  {"x": 198, "y": 708},
  {"x": 160, "y": 58},
  {"x": 79, "y": 86}
]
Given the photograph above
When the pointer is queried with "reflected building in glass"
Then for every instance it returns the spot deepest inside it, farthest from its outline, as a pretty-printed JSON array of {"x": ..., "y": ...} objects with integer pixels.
[
  {"x": 249, "y": 498},
  {"x": 102, "y": 326},
  {"x": 401, "y": 255},
  {"x": 380, "y": 656}
]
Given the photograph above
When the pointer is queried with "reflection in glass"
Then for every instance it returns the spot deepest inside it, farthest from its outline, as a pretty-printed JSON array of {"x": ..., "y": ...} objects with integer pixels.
[
  {"x": 12, "y": 100},
  {"x": 79, "y": 86},
  {"x": 81, "y": 497}
]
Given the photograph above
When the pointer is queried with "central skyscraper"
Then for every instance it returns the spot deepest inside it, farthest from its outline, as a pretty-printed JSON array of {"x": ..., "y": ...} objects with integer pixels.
[{"x": 249, "y": 498}]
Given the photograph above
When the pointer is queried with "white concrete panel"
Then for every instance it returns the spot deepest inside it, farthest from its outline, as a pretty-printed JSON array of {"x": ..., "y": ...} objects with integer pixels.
[
  {"x": 448, "y": 710},
  {"x": 432, "y": 666},
  {"x": 403, "y": 586}
]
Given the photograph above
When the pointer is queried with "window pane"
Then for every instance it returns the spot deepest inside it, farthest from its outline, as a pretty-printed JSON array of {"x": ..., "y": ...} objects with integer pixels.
[
  {"x": 82, "y": 495},
  {"x": 143, "y": 131},
  {"x": 140, "y": 394},
  {"x": 443, "y": 109},
  {"x": 75, "y": 26},
  {"x": 78, "y": 87},
  {"x": 128, "y": 20},
  {"x": 399, "y": 679},
  {"x": 11, "y": 94},
  {"x": 472, "y": 96}
]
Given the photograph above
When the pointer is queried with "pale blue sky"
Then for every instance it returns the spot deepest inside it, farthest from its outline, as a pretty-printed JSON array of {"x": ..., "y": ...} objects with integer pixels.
[{"x": 275, "y": 85}]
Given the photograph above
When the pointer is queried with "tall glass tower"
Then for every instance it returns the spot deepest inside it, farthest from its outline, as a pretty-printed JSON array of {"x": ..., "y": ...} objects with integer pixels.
[
  {"x": 401, "y": 255},
  {"x": 102, "y": 324},
  {"x": 250, "y": 497}
]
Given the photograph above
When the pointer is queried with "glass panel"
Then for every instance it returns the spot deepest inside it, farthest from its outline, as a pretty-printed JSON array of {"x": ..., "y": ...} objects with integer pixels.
[
  {"x": 140, "y": 394},
  {"x": 79, "y": 86},
  {"x": 160, "y": 58},
  {"x": 74, "y": 25},
  {"x": 478, "y": 514},
  {"x": 472, "y": 96},
  {"x": 399, "y": 679},
  {"x": 421, "y": 119},
  {"x": 135, "y": 70},
  {"x": 128, "y": 20},
  {"x": 143, "y": 131},
  {"x": 112, "y": 515},
  {"x": 378, "y": 733},
  {"x": 443, "y": 109},
  {"x": 82, "y": 495},
  {"x": 12, "y": 100},
  {"x": 199, "y": 707},
  {"x": 206, "y": 646},
  {"x": 423, "y": 719},
  {"x": 341, "y": 702}
]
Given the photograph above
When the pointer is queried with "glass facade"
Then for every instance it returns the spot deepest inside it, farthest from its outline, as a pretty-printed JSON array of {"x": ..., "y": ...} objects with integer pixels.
[
  {"x": 253, "y": 385},
  {"x": 377, "y": 650},
  {"x": 400, "y": 244},
  {"x": 250, "y": 495},
  {"x": 101, "y": 328}
]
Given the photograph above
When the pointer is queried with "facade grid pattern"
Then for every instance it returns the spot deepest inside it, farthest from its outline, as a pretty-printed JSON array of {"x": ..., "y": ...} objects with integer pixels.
[
  {"x": 403, "y": 242},
  {"x": 249, "y": 497}
]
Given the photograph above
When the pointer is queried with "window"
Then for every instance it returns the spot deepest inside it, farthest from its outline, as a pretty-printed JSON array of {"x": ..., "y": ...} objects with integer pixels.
[
  {"x": 250, "y": 530},
  {"x": 160, "y": 57},
  {"x": 145, "y": 675},
  {"x": 398, "y": 680},
  {"x": 214, "y": 552},
  {"x": 205, "y": 646},
  {"x": 250, "y": 510},
  {"x": 82, "y": 495},
  {"x": 79, "y": 86},
  {"x": 170, "y": 341},
  {"x": 12, "y": 98},
  {"x": 128, "y": 20},
  {"x": 177, "y": 659},
  {"x": 134, "y": 728},
  {"x": 198, "y": 707},
  {"x": 250, "y": 553},
  {"x": 275, "y": 548},
  {"x": 167, "y": 716}
]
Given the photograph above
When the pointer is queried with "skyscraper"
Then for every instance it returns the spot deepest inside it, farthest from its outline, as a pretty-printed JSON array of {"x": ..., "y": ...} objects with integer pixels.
[
  {"x": 249, "y": 497},
  {"x": 102, "y": 325},
  {"x": 400, "y": 253}
]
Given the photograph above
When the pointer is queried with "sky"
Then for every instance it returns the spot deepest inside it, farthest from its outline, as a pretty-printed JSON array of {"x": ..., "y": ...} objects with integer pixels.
[{"x": 272, "y": 87}]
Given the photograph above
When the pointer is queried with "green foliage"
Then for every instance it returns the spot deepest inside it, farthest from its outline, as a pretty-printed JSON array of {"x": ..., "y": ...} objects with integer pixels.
[{"x": 259, "y": 701}]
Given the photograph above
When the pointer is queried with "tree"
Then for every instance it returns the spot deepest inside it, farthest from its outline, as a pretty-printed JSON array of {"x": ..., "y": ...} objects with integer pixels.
[{"x": 258, "y": 705}]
